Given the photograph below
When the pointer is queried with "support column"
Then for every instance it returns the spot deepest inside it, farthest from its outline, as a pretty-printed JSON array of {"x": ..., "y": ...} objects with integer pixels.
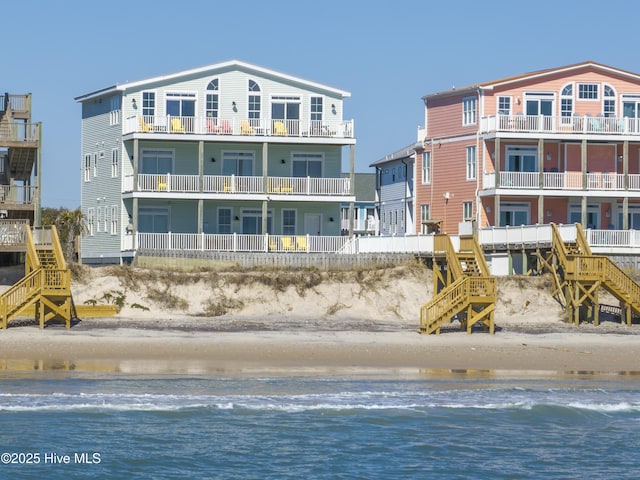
[
  {"x": 541, "y": 164},
  {"x": 496, "y": 164},
  {"x": 625, "y": 213},
  {"x": 352, "y": 186},
  {"x": 583, "y": 211},
  {"x": 37, "y": 196},
  {"x": 583, "y": 161},
  {"x": 200, "y": 185},
  {"x": 135, "y": 164},
  {"x": 265, "y": 171},
  {"x": 496, "y": 210},
  {"x": 541, "y": 209}
]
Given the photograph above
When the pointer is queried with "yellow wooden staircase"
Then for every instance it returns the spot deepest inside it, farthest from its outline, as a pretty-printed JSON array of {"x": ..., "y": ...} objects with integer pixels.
[
  {"x": 463, "y": 287},
  {"x": 578, "y": 276},
  {"x": 46, "y": 286}
]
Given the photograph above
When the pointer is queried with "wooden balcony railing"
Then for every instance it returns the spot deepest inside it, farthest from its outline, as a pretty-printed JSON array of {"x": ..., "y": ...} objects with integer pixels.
[{"x": 240, "y": 127}]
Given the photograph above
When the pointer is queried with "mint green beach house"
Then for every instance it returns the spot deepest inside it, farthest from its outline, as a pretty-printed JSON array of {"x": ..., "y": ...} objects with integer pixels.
[{"x": 230, "y": 157}]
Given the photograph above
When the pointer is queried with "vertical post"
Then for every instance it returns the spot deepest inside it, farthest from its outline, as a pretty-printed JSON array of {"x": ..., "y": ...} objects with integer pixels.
[
  {"x": 541, "y": 164},
  {"x": 583, "y": 163},
  {"x": 496, "y": 164},
  {"x": 37, "y": 197},
  {"x": 583, "y": 211},
  {"x": 352, "y": 181},
  {"x": 540, "y": 209},
  {"x": 265, "y": 164},
  {"x": 201, "y": 166},
  {"x": 496, "y": 210},
  {"x": 135, "y": 165}
]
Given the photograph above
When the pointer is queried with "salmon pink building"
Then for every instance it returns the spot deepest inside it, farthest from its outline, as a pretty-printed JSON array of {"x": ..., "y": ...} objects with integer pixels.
[{"x": 559, "y": 145}]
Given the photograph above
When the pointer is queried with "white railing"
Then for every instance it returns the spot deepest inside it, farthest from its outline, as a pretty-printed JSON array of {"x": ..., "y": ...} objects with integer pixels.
[
  {"x": 230, "y": 184},
  {"x": 525, "y": 236},
  {"x": 561, "y": 180},
  {"x": 236, "y": 242},
  {"x": 552, "y": 124},
  {"x": 239, "y": 126}
]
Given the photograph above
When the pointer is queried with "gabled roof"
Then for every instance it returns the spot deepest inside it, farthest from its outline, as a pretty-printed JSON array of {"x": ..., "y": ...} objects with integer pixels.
[
  {"x": 406, "y": 152},
  {"x": 537, "y": 74},
  {"x": 211, "y": 69}
]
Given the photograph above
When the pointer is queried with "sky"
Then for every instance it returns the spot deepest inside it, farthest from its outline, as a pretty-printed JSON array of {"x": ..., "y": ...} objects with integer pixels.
[{"x": 388, "y": 54}]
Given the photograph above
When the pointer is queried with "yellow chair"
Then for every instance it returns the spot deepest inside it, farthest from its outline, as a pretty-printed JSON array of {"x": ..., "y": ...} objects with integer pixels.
[
  {"x": 273, "y": 244},
  {"x": 301, "y": 244},
  {"x": 246, "y": 128},
  {"x": 162, "y": 184},
  {"x": 176, "y": 126},
  {"x": 287, "y": 243},
  {"x": 279, "y": 129},
  {"x": 227, "y": 187},
  {"x": 144, "y": 126}
]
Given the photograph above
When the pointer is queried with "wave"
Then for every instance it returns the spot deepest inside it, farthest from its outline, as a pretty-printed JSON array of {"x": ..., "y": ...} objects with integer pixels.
[{"x": 589, "y": 400}]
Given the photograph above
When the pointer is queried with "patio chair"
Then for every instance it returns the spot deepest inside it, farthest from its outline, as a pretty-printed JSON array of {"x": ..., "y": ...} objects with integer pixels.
[
  {"x": 144, "y": 126},
  {"x": 301, "y": 244},
  {"x": 287, "y": 244},
  {"x": 246, "y": 128},
  {"x": 280, "y": 129},
  {"x": 162, "y": 184},
  {"x": 176, "y": 126}
]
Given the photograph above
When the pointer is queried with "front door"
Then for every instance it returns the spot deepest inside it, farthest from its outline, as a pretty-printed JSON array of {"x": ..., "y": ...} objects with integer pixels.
[{"x": 312, "y": 223}]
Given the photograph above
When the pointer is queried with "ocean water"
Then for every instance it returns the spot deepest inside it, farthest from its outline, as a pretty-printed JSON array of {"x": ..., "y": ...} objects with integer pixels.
[{"x": 318, "y": 425}]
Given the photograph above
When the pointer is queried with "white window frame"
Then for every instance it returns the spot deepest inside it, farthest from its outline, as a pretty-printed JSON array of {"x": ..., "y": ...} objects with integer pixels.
[
  {"x": 295, "y": 220},
  {"x": 467, "y": 211},
  {"x": 426, "y": 168},
  {"x": 609, "y": 98},
  {"x": 90, "y": 221},
  {"x": 218, "y": 223},
  {"x": 567, "y": 119},
  {"x": 469, "y": 111},
  {"x": 590, "y": 90},
  {"x": 115, "y": 110},
  {"x": 115, "y": 161},
  {"x": 471, "y": 163},
  {"x": 87, "y": 167},
  {"x": 500, "y": 109},
  {"x": 95, "y": 164},
  {"x": 114, "y": 220}
]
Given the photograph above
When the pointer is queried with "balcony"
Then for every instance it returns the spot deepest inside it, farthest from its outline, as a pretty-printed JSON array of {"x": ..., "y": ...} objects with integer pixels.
[
  {"x": 234, "y": 242},
  {"x": 597, "y": 181},
  {"x": 233, "y": 184},
  {"x": 537, "y": 124},
  {"x": 252, "y": 127}
]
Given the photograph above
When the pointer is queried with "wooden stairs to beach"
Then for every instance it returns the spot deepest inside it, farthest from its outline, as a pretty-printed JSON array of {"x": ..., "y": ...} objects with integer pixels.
[
  {"x": 463, "y": 286},
  {"x": 578, "y": 276},
  {"x": 46, "y": 287}
]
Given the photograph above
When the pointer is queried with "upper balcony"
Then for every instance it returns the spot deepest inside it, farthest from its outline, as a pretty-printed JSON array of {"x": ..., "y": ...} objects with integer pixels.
[
  {"x": 574, "y": 125},
  {"x": 229, "y": 185},
  {"x": 562, "y": 183},
  {"x": 252, "y": 127}
]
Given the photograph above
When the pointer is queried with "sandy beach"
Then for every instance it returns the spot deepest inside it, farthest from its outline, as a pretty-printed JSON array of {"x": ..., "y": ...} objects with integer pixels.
[{"x": 337, "y": 323}]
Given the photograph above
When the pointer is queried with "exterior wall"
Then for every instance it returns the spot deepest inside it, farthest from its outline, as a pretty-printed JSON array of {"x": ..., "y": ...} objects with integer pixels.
[
  {"x": 393, "y": 196},
  {"x": 555, "y": 83},
  {"x": 233, "y": 87},
  {"x": 100, "y": 196},
  {"x": 449, "y": 188},
  {"x": 444, "y": 116}
]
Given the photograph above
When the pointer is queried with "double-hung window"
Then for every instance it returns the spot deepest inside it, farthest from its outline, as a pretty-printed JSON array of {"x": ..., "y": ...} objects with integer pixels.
[
  {"x": 149, "y": 104},
  {"x": 504, "y": 105},
  {"x": 224, "y": 220},
  {"x": 426, "y": 168},
  {"x": 469, "y": 111},
  {"x": 467, "y": 211},
  {"x": 288, "y": 222},
  {"x": 471, "y": 162},
  {"x": 211, "y": 102}
]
